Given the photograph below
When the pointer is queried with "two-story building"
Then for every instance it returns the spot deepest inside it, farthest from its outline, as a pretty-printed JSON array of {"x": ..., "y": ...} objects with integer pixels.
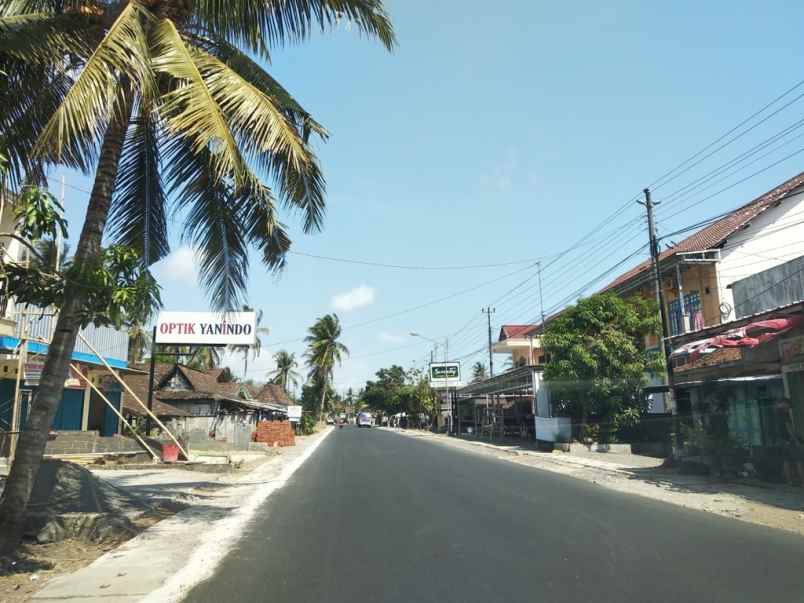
[{"x": 25, "y": 333}]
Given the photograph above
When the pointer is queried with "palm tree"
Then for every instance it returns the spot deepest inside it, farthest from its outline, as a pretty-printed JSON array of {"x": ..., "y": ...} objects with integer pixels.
[
  {"x": 479, "y": 372},
  {"x": 163, "y": 99},
  {"x": 284, "y": 374},
  {"x": 254, "y": 348},
  {"x": 323, "y": 351},
  {"x": 205, "y": 358},
  {"x": 139, "y": 341}
]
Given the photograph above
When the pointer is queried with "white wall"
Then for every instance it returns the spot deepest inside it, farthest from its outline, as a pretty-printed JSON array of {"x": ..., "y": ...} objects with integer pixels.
[{"x": 773, "y": 238}]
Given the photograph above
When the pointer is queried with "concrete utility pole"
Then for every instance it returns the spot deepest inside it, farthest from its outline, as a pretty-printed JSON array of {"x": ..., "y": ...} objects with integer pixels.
[
  {"x": 657, "y": 279},
  {"x": 488, "y": 311}
]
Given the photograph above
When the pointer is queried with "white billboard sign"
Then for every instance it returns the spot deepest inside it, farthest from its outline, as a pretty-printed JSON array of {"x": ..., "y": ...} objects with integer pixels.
[
  {"x": 294, "y": 413},
  {"x": 206, "y": 328},
  {"x": 445, "y": 374}
]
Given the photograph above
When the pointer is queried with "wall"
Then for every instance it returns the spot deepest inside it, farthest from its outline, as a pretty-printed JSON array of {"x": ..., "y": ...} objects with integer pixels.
[
  {"x": 231, "y": 431},
  {"x": 773, "y": 238},
  {"x": 769, "y": 289}
]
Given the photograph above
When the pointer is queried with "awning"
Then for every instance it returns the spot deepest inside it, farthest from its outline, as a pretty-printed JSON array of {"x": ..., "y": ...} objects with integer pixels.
[{"x": 747, "y": 336}]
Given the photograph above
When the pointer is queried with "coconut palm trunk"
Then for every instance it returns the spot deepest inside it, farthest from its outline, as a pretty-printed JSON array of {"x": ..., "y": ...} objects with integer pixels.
[
  {"x": 32, "y": 441},
  {"x": 323, "y": 400}
]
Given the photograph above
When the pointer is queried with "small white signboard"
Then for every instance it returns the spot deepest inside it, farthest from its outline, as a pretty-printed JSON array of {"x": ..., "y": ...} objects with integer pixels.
[
  {"x": 294, "y": 413},
  {"x": 206, "y": 328},
  {"x": 445, "y": 374}
]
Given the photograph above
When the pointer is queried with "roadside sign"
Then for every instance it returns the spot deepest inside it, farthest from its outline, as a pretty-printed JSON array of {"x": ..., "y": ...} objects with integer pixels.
[
  {"x": 445, "y": 374},
  {"x": 294, "y": 413},
  {"x": 206, "y": 328}
]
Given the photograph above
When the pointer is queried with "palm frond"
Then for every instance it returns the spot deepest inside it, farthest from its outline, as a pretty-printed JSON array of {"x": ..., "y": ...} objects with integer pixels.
[
  {"x": 252, "y": 22},
  {"x": 77, "y": 127},
  {"x": 29, "y": 94},
  {"x": 47, "y": 38},
  {"x": 190, "y": 110},
  {"x": 213, "y": 224},
  {"x": 138, "y": 213},
  {"x": 18, "y": 7}
]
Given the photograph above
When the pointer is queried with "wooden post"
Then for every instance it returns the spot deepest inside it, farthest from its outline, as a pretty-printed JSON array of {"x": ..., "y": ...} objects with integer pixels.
[
  {"x": 117, "y": 412},
  {"x": 133, "y": 395}
]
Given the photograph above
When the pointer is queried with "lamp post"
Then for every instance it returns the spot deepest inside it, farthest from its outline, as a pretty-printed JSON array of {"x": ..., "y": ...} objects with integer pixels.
[{"x": 436, "y": 343}]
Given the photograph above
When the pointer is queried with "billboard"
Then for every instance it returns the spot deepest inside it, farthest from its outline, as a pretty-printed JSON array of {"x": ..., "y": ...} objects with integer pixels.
[
  {"x": 445, "y": 374},
  {"x": 206, "y": 328},
  {"x": 294, "y": 413}
]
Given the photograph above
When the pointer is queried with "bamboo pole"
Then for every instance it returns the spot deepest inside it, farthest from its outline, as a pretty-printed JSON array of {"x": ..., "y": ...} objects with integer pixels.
[
  {"x": 117, "y": 412},
  {"x": 16, "y": 409},
  {"x": 133, "y": 395}
]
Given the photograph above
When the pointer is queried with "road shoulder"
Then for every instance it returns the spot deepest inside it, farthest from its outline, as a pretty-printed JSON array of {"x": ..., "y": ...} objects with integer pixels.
[{"x": 164, "y": 562}]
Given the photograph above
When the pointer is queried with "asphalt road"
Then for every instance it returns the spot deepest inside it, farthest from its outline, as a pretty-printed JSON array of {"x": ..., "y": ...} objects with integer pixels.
[{"x": 377, "y": 516}]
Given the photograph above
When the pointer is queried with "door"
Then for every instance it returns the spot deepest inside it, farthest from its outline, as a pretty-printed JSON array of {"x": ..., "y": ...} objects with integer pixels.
[
  {"x": 71, "y": 408},
  {"x": 110, "y": 419}
]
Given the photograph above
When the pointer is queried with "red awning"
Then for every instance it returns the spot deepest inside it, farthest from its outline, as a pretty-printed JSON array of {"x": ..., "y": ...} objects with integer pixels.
[{"x": 747, "y": 336}]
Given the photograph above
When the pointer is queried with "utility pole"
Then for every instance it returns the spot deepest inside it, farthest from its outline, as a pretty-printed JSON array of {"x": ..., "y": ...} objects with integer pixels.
[
  {"x": 488, "y": 311},
  {"x": 541, "y": 297},
  {"x": 657, "y": 279}
]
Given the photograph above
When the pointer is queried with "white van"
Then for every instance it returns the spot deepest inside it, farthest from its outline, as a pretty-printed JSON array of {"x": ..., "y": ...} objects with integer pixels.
[{"x": 364, "y": 419}]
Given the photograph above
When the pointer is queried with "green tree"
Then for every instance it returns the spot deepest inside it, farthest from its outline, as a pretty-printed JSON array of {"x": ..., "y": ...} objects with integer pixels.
[
  {"x": 164, "y": 100},
  {"x": 139, "y": 342},
  {"x": 479, "y": 372},
  {"x": 598, "y": 360},
  {"x": 324, "y": 350},
  {"x": 205, "y": 358},
  {"x": 284, "y": 374}
]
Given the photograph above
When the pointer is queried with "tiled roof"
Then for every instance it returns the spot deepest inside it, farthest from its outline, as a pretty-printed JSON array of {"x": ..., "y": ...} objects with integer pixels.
[
  {"x": 204, "y": 385},
  {"x": 717, "y": 232},
  {"x": 514, "y": 331}
]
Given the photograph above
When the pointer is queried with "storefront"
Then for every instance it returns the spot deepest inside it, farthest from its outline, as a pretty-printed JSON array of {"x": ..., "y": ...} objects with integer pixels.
[{"x": 791, "y": 350}]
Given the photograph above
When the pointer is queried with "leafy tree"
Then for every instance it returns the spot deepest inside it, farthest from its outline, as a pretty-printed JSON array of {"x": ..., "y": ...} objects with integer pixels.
[
  {"x": 163, "y": 100},
  {"x": 324, "y": 350},
  {"x": 226, "y": 376},
  {"x": 396, "y": 390},
  {"x": 205, "y": 358},
  {"x": 284, "y": 374},
  {"x": 598, "y": 360},
  {"x": 139, "y": 342},
  {"x": 479, "y": 372}
]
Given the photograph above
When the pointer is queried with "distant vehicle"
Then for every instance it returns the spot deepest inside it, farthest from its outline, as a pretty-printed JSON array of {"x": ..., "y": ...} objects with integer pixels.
[
  {"x": 330, "y": 421},
  {"x": 364, "y": 419}
]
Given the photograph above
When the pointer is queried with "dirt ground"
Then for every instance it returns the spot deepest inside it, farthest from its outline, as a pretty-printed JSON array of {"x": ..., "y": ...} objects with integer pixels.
[{"x": 37, "y": 563}]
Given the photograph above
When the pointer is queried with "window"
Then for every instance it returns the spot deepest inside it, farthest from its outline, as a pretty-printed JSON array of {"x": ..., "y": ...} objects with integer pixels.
[{"x": 692, "y": 301}]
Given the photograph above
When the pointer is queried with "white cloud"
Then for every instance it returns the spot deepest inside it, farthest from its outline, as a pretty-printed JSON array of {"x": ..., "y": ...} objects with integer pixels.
[
  {"x": 387, "y": 337},
  {"x": 179, "y": 266},
  {"x": 359, "y": 297}
]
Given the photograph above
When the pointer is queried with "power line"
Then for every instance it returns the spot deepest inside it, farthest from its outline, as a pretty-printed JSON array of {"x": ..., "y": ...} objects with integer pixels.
[
  {"x": 411, "y": 267},
  {"x": 658, "y": 182}
]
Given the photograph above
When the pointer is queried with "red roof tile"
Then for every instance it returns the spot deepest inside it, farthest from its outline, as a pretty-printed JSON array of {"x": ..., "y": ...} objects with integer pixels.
[{"x": 717, "y": 232}]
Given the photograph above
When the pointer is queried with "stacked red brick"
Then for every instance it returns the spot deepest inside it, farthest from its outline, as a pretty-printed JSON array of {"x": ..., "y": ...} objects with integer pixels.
[{"x": 275, "y": 433}]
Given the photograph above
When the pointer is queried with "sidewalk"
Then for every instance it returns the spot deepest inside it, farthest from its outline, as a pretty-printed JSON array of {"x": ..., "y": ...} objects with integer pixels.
[
  {"x": 166, "y": 560},
  {"x": 771, "y": 505}
]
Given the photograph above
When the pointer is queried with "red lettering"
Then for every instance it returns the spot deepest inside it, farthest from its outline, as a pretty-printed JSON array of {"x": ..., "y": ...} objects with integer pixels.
[
  {"x": 190, "y": 328},
  {"x": 163, "y": 328}
]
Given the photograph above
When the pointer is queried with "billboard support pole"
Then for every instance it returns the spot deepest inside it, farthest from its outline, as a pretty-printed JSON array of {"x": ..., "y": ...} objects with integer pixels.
[{"x": 151, "y": 383}]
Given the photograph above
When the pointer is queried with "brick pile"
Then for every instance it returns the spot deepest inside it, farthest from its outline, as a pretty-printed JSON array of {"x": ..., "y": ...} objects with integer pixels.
[{"x": 275, "y": 433}]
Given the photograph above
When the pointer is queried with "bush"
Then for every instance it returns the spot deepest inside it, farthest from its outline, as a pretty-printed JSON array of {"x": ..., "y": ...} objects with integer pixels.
[{"x": 307, "y": 424}]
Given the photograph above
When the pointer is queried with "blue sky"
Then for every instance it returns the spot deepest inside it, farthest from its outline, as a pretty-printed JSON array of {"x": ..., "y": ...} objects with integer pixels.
[{"x": 500, "y": 133}]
